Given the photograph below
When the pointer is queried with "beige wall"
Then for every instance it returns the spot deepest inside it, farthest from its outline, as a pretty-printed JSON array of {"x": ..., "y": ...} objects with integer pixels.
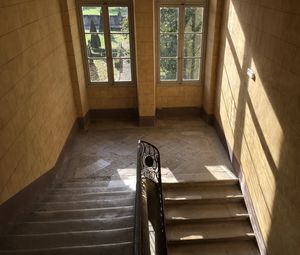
[
  {"x": 145, "y": 55},
  {"x": 37, "y": 108},
  {"x": 72, "y": 35},
  {"x": 169, "y": 96},
  {"x": 261, "y": 118}
]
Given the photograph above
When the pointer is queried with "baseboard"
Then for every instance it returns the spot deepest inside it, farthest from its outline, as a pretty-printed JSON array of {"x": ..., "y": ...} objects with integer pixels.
[
  {"x": 83, "y": 122},
  {"x": 147, "y": 121},
  {"x": 248, "y": 201},
  {"x": 128, "y": 114},
  {"x": 24, "y": 201},
  {"x": 177, "y": 112}
]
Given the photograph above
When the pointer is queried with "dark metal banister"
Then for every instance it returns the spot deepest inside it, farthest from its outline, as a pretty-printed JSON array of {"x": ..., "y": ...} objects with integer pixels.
[{"x": 148, "y": 167}]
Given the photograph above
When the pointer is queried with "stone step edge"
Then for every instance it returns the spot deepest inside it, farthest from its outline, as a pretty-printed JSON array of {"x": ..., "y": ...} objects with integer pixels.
[
  {"x": 246, "y": 236},
  {"x": 174, "y": 221},
  {"x": 233, "y": 199},
  {"x": 68, "y": 233},
  {"x": 65, "y": 248},
  {"x": 84, "y": 210}
]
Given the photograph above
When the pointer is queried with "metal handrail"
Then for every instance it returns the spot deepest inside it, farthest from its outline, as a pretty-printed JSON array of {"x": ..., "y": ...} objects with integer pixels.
[{"x": 148, "y": 168}]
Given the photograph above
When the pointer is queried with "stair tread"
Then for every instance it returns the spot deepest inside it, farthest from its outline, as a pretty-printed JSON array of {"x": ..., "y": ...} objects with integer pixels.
[
  {"x": 248, "y": 247},
  {"x": 85, "y": 204},
  {"x": 198, "y": 183},
  {"x": 207, "y": 231},
  {"x": 75, "y": 238},
  {"x": 73, "y": 225},
  {"x": 204, "y": 211},
  {"x": 204, "y": 192},
  {"x": 109, "y": 212},
  {"x": 113, "y": 248}
]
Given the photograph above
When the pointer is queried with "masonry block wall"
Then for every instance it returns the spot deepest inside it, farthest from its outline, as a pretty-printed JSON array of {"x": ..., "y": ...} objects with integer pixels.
[
  {"x": 261, "y": 118},
  {"x": 37, "y": 108},
  {"x": 72, "y": 35}
]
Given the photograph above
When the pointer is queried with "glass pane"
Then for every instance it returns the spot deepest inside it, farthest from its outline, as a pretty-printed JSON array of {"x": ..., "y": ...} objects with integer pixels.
[
  {"x": 192, "y": 45},
  {"x": 98, "y": 70},
  {"x": 193, "y": 19},
  {"x": 122, "y": 69},
  {"x": 118, "y": 19},
  {"x": 191, "y": 69},
  {"x": 168, "y": 69},
  {"x": 95, "y": 45},
  {"x": 120, "y": 45},
  {"x": 169, "y": 19},
  {"x": 168, "y": 45},
  {"x": 92, "y": 19}
]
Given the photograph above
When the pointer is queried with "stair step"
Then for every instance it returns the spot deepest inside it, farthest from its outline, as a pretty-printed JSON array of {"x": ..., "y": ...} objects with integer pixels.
[
  {"x": 124, "y": 248},
  {"x": 84, "y": 190},
  {"x": 109, "y": 212},
  {"x": 43, "y": 227},
  {"x": 248, "y": 247},
  {"x": 80, "y": 238},
  {"x": 89, "y": 196},
  {"x": 86, "y": 204},
  {"x": 205, "y": 211},
  {"x": 209, "y": 232},
  {"x": 94, "y": 183},
  {"x": 196, "y": 184},
  {"x": 178, "y": 201},
  {"x": 202, "y": 192}
]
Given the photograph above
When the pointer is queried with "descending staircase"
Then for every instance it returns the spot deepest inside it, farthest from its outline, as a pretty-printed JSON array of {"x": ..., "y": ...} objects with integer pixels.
[
  {"x": 81, "y": 216},
  {"x": 207, "y": 218}
]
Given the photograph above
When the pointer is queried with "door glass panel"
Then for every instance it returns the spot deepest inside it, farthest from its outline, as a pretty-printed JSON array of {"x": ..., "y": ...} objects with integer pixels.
[
  {"x": 168, "y": 45},
  {"x": 191, "y": 69},
  {"x": 192, "y": 45},
  {"x": 168, "y": 69},
  {"x": 95, "y": 45},
  {"x": 122, "y": 69},
  {"x": 98, "y": 70},
  {"x": 120, "y": 45},
  {"x": 92, "y": 19},
  {"x": 169, "y": 19},
  {"x": 193, "y": 20},
  {"x": 118, "y": 19}
]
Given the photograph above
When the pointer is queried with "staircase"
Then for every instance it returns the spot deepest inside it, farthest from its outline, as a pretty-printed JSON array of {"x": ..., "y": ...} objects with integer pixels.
[
  {"x": 207, "y": 218},
  {"x": 81, "y": 216}
]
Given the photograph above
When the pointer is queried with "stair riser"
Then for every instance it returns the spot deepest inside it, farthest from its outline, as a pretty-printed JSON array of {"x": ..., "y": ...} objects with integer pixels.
[
  {"x": 75, "y": 225},
  {"x": 170, "y": 222},
  {"x": 169, "y": 201},
  {"x": 65, "y": 191},
  {"x": 116, "y": 249},
  {"x": 86, "y": 204},
  {"x": 68, "y": 239},
  {"x": 182, "y": 185},
  {"x": 99, "y": 213},
  {"x": 93, "y": 196}
]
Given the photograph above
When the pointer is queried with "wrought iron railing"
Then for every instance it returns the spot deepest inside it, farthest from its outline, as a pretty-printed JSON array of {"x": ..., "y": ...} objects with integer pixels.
[{"x": 149, "y": 201}]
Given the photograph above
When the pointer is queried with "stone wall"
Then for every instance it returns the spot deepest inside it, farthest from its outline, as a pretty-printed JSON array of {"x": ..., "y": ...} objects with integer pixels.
[
  {"x": 260, "y": 118},
  {"x": 37, "y": 108}
]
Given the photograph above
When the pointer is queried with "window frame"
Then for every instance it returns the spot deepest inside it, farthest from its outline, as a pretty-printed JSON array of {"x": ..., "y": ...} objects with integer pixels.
[
  {"x": 181, "y": 4},
  {"x": 107, "y": 35}
]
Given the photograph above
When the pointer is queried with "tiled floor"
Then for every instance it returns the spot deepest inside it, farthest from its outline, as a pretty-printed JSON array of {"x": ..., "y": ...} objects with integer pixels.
[{"x": 190, "y": 150}]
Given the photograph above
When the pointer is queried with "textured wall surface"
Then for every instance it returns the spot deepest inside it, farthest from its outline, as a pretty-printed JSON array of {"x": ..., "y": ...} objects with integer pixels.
[
  {"x": 37, "y": 107},
  {"x": 261, "y": 118},
  {"x": 72, "y": 35},
  {"x": 145, "y": 56},
  {"x": 168, "y": 96}
]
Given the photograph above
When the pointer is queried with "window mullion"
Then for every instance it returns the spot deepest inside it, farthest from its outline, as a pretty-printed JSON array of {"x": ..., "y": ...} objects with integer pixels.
[
  {"x": 180, "y": 44},
  {"x": 108, "y": 44}
]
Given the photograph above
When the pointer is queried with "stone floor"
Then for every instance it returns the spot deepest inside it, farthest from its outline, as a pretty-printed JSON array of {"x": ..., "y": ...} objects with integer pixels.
[{"x": 190, "y": 150}]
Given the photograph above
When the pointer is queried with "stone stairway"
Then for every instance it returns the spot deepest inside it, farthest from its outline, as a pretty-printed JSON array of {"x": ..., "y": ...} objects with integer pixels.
[
  {"x": 207, "y": 218},
  {"x": 80, "y": 216}
]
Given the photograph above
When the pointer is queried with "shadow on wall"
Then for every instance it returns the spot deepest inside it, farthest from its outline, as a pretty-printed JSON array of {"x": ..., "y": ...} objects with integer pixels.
[{"x": 260, "y": 118}]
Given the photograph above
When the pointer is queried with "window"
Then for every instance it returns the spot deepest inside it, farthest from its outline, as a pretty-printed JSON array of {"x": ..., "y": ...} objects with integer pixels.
[
  {"x": 106, "y": 29},
  {"x": 180, "y": 42}
]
